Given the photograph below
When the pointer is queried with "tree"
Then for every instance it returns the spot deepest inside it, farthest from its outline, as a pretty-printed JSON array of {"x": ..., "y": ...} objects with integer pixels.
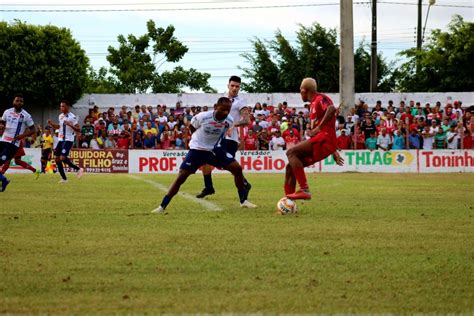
[
  {"x": 100, "y": 81},
  {"x": 277, "y": 66},
  {"x": 44, "y": 63},
  {"x": 385, "y": 78},
  {"x": 445, "y": 62},
  {"x": 135, "y": 64}
]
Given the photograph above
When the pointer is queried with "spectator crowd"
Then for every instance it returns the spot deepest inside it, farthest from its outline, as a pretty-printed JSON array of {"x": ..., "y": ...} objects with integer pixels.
[{"x": 383, "y": 127}]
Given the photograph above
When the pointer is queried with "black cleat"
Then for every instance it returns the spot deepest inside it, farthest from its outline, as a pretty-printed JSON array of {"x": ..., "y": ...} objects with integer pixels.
[
  {"x": 248, "y": 186},
  {"x": 205, "y": 192}
]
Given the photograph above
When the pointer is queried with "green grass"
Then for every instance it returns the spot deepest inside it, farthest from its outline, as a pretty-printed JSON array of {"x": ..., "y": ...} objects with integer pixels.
[{"x": 366, "y": 243}]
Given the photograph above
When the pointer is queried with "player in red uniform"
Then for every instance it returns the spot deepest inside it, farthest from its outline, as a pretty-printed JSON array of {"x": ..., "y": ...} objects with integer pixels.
[{"x": 323, "y": 141}]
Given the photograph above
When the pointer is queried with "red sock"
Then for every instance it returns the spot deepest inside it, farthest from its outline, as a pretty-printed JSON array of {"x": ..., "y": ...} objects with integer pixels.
[
  {"x": 301, "y": 177},
  {"x": 289, "y": 189},
  {"x": 5, "y": 167},
  {"x": 26, "y": 166}
]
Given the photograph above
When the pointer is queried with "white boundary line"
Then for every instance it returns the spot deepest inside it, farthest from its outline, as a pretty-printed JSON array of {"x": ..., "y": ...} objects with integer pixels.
[{"x": 209, "y": 206}]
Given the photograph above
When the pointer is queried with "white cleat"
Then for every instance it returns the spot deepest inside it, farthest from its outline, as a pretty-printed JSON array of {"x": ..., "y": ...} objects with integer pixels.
[
  {"x": 247, "y": 204},
  {"x": 158, "y": 210},
  {"x": 62, "y": 181},
  {"x": 80, "y": 173}
]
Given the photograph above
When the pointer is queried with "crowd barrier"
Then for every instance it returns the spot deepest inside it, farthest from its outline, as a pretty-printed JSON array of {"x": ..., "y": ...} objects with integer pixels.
[{"x": 262, "y": 161}]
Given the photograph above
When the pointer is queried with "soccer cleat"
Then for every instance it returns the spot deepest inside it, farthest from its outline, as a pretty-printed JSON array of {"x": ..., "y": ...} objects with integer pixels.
[
  {"x": 205, "y": 192},
  {"x": 80, "y": 173},
  {"x": 158, "y": 210},
  {"x": 247, "y": 204},
  {"x": 300, "y": 195},
  {"x": 248, "y": 186},
  {"x": 37, "y": 174},
  {"x": 5, "y": 182},
  {"x": 62, "y": 181}
]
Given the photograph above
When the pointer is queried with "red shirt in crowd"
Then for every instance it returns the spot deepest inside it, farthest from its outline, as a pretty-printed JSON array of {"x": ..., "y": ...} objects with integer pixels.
[
  {"x": 250, "y": 142},
  {"x": 291, "y": 140},
  {"x": 344, "y": 142}
]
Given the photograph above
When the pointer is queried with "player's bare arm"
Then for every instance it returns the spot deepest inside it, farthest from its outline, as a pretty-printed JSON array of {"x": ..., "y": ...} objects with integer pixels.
[
  {"x": 53, "y": 125},
  {"x": 330, "y": 112},
  {"x": 76, "y": 127},
  {"x": 30, "y": 131}
]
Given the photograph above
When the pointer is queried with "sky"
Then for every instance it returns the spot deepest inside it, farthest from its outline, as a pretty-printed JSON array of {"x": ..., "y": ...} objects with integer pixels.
[{"x": 217, "y": 32}]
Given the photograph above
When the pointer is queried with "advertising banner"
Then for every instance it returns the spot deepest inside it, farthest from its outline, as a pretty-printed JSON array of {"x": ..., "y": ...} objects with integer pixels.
[
  {"x": 396, "y": 161},
  {"x": 100, "y": 161},
  {"x": 446, "y": 161},
  {"x": 32, "y": 156},
  {"x": 158, "y": 161}
]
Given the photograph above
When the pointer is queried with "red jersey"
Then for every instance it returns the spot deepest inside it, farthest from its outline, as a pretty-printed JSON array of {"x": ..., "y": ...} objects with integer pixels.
[{"x": 318, "y": 108}]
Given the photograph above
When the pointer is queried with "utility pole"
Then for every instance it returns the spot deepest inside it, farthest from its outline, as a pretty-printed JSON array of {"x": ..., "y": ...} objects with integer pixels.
[
  {"x": 346, "y": 58},
  {"x": 419, "y": 28},
  {"x": 373, "y": 46}
]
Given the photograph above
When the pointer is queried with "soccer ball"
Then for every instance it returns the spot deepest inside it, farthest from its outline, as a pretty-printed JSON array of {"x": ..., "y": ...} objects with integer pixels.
[{"x": 286, "y": 206}]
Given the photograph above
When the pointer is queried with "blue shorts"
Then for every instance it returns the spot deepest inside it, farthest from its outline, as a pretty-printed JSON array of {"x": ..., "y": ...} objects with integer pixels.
[
  {"x": 7, "y": 152},
  {"x": 197, "y": 158},
  {"x": 231, "y": 147},
  {"x": 63, "y": 148}
]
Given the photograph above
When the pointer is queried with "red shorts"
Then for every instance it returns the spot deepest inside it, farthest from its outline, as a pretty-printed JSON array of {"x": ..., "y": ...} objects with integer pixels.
[
  {"x": 20, "y": 152},
  {"x": 323, "y": 146}
]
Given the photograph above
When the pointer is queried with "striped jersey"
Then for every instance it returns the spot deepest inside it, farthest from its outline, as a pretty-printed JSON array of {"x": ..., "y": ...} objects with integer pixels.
[
  {"x": 66, "y": 133},
  {"x": 209, "y": 130},
  {"x": 15, "y": 124}
]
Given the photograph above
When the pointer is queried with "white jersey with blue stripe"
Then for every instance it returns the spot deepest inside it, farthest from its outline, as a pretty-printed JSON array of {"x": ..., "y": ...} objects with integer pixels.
[
  {"x": 237, "y": 105},
  {"x": 16, "y": 124},
  {"x": 209, "y": 131},
  {"x": 66, "y": 133}
]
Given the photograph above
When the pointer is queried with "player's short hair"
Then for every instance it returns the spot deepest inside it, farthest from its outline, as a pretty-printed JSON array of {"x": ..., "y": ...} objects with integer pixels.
[
  {"x": 66, "y": 102},
  {"x": 223, "y": 100},
  {"x": 309, "y": 84},
  {"x": 235, "y": 79},
  {"x": 18, "y": 95}
]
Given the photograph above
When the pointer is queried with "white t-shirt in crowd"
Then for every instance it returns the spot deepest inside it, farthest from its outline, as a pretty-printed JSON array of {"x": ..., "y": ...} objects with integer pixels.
[
  {"x": 208, "y": 130},
  {"x": 427, "y": 141},
  {"x": 277, "y": 143},
  {"x": 384, "y": 141},
  {"x": 454, "y": 143},
  {"x": 15, "y": 124}
]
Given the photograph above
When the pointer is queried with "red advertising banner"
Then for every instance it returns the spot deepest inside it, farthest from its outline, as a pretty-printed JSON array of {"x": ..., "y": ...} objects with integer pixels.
[{"x": 101, "y": 161}]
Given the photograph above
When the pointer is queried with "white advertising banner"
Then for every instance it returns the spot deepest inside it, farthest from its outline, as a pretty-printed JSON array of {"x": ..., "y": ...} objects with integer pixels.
[
  {"x": 446, "y": 161},
  {"x": 160, "y": 161},
  {"x": 32, "y": 156},
  {"x": 397, "y": 161},
  {"x": 261, "y": 161}
]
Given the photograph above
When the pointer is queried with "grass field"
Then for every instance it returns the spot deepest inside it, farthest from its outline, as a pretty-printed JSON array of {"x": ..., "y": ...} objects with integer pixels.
[{"x": 366, "y": 243}]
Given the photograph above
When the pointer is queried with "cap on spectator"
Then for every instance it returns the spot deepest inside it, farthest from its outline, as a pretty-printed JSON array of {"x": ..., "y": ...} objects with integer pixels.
[
  {"x": 56, "y": 131},
  {"x": 284, "y": 118},
  {"x": 343, "y": 130},
  {"x": 101, "y": 119},
  {"x": 392, "y": 112},
  {"x": 157, "y": 119},
  {"x": 456, "y": 102}
]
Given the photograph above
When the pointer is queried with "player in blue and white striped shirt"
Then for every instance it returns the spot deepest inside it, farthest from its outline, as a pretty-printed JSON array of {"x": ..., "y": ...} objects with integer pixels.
[
  {"x": 18, "y": 125},
  {"x": 68, "y": 127},
  {"x": 207, "y": 147}
]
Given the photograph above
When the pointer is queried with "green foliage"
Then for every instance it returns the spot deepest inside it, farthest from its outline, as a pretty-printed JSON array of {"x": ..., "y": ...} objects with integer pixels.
[
  {"x": 366, "y": 243},
  {"x": 44, "y": 63},
  {"x": 444, "y": 63},
  {"x": 362, "y": 63},
  {"x": 277, "y": 66},
  {"x": 136, "y": 62},
  {"x": 100, "y": 81}
]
